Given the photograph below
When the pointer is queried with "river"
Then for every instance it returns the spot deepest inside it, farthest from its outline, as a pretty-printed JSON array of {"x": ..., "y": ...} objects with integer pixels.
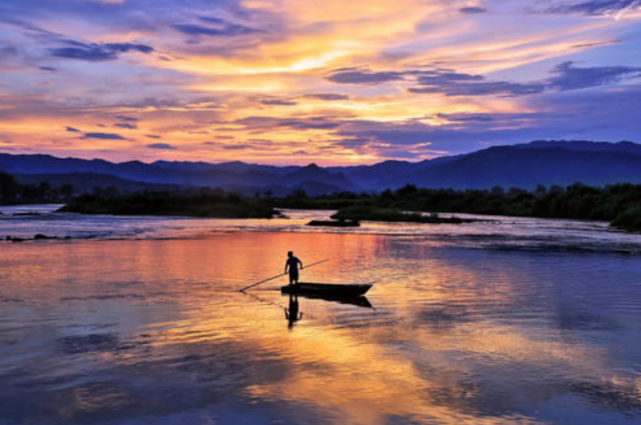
[{"x": 137, "y": 320}]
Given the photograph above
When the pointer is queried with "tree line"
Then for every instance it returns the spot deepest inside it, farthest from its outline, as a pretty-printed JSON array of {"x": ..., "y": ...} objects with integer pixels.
[
  {"x": 619, "y": 204},
  {"x": 192, "y": 202},
  {"x": 13, "y": 192}
]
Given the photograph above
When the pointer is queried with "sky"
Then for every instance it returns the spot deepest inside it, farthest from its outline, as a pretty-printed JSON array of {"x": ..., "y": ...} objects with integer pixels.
[{"x": 325, "y": 81}]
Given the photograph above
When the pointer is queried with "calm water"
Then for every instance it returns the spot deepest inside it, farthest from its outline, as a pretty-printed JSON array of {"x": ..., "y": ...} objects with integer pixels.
[{"x": 516, "y": 321}]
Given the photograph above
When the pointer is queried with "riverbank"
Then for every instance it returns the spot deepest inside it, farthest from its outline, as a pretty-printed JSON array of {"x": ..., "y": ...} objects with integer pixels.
[
  {"x": 210, "y": 203},
  {"x": 359, "y": 213},
  {"x": 620, "y": 205}
]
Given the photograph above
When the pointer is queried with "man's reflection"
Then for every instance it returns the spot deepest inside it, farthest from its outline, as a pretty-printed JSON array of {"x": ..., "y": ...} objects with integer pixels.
[{"x": 293, "y": 313}]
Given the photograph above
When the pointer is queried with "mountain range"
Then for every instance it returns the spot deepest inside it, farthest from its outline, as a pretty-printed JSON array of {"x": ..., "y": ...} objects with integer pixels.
[{"x": 524, "y": 166}]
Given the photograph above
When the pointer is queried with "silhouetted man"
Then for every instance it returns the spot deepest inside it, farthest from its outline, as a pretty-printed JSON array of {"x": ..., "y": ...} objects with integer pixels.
[{"x": 292, "y": 264}]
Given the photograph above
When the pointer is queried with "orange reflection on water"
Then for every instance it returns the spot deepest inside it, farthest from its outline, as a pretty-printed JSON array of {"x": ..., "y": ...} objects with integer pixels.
[{"x": 445, "y": 327}]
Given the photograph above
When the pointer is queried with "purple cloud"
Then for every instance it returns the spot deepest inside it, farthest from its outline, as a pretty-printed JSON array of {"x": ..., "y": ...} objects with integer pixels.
[
  {"x": 104, "y": 136},
  {"x": 363, "y": 76},
  {"x": 97, "y": 52},
  {"x": 472, "y": 10},
  {"x": 162, "y": 146},
  {"x": 125, "y": 125},
  {"x": 596, "y": 7}
]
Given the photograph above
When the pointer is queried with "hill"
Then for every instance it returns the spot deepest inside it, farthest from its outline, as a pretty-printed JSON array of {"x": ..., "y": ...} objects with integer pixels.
[
  {"x": 523, "y": 167},
  {"x": 526, "y": 166},
  {"x": 200, "y": 174},
  {"x": 86, "y": 182}
]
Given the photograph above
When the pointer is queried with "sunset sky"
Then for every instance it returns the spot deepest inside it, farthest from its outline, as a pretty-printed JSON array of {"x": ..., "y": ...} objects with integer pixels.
[{"x": 325, "y": 81}]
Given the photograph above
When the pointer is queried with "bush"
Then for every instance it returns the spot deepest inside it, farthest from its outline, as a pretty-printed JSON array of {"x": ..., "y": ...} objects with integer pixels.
[{"x": 629, "y": 219}]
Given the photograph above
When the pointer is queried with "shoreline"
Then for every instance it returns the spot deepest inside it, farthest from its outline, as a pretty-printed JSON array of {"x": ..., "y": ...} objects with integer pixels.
[{"x": 506, "y": 235}]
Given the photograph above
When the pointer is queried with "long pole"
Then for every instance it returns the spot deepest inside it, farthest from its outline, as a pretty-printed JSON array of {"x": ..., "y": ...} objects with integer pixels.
[{"x": 277, "y": 276}]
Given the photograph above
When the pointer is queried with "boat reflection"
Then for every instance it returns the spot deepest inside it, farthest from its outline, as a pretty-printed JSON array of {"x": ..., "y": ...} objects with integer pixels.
[{"x": 356, "y": 301}]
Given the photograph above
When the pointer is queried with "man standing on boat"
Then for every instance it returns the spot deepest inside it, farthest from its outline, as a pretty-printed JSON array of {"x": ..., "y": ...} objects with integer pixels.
[{"x": 292, "y": 264}]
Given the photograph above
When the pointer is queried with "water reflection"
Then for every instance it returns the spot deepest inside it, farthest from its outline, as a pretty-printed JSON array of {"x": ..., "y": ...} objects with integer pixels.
[
  {"x": 156, "y": 332},
  {"x": 292, "y": 312},
  {"x": 500, "y": 233},
  {"x": 361, "y": 301}
]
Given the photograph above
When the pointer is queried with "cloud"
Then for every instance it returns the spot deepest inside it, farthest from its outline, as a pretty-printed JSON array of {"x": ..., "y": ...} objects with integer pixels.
[
  {"x": 416, "y": 139},
  {"x": 279, "y": 102},
  {"x": 104, "y": 136},
  {"x": 363, "y": 76},
  {"x": 596, "y": 44},
  {"x": 271, "y": 123},
  {"x": 314, "y": 123},
  {"x": 596, "y": 7},
  {"x": 569, "y": 115},
  {"x": 216, "y": 27},
  {"x": 97, "y": 52},
  {"x": 252, "y": 144},
  {"x": 472, "y": 10},
  {"x": 567, "y": 76},
  {"x": 165, "y": 146},
  {"x": 453, "y": 83},
  {"x": 72, "y": 129},
  {"x": 47, "y": 68},
  {"x": 482, "y": 88},
  {"x": 126, "y": 125},
  {"x": 126, "y": 118},
  {"x": 445, "y": 81},
  {"x": 327, "y": 96},
  {"x": 466, "y": 117},
  {"x": 153, "y": 136},
  {"x": 238, "y": 147}
]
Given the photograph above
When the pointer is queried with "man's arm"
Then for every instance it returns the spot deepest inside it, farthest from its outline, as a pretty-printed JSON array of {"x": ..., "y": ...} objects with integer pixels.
[
  {"x": 286, "y": 266},
  {"x": 301, "y": 263}
]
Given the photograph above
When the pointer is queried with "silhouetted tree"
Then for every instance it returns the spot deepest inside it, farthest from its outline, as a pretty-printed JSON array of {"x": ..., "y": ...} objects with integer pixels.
[
  {"x": 407, "y": 190},
  {"x": 9, "y": 188},
  {"x": 497, "y": 190},
  {"x": 299, "y": 194},
  {"x": 67, "y": 190},
  {"x": 540, "y": 190}
]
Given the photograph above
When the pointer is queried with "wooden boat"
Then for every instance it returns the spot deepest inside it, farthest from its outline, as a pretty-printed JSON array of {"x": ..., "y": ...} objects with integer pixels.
[{"x": 328, "y": 289}]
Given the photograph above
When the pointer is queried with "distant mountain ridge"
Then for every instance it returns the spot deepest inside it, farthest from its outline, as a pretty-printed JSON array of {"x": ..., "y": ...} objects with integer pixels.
[
  {"x": 544, "y": 162},
  {"x": 582, "y": 145},
  {"x": 526, "y": 168}
]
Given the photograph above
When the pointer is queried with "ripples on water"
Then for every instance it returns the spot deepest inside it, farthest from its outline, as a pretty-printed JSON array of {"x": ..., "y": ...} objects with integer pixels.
[
  {"x": 493, "y": 232},
  {"x": 151, "y": 329}
]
